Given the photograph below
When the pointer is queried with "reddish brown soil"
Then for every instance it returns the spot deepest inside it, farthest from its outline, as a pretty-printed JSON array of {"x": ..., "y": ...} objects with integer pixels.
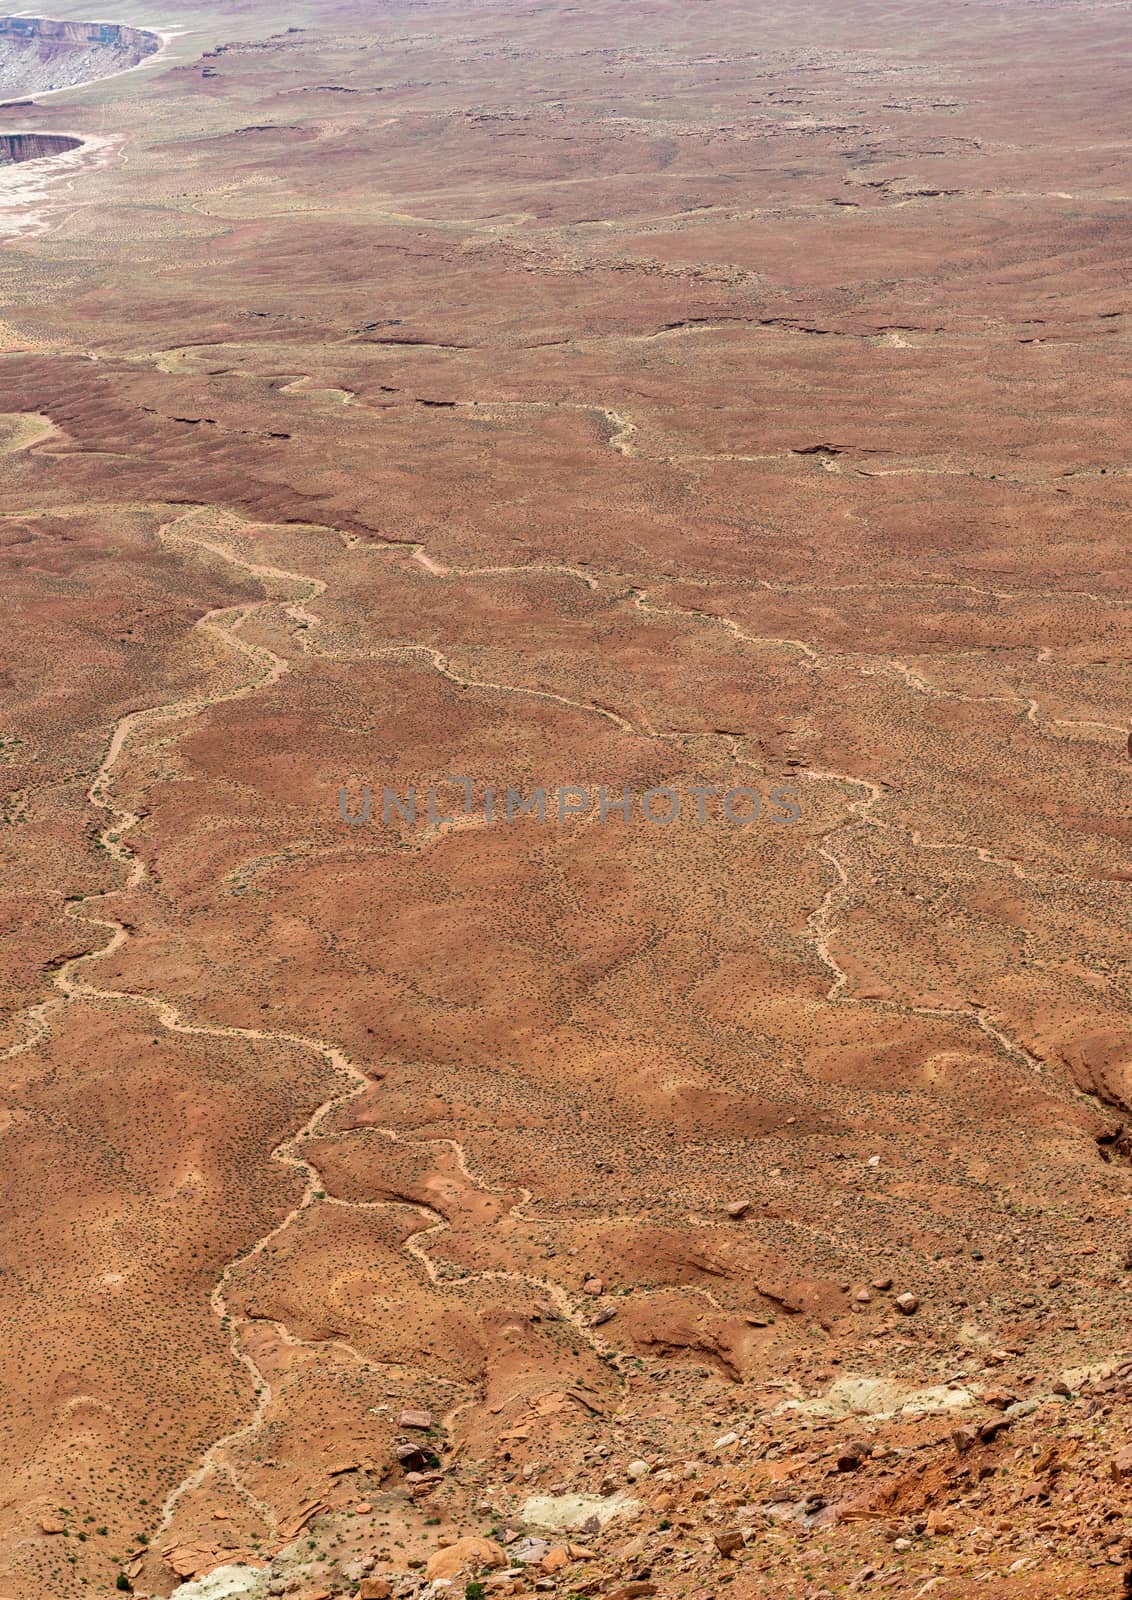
[{"x": 673, "y": 395}]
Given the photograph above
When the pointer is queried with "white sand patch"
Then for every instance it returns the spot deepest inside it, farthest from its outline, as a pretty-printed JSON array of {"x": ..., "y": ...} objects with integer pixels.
[
  {"x": 226, "y": 1583},
  {"x": 562, "y": 1512},
  {"x": 878, "y": 1397}
]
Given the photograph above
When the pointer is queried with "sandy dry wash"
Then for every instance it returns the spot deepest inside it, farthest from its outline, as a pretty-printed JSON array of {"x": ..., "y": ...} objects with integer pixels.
[{"x": 624, "y": 395}]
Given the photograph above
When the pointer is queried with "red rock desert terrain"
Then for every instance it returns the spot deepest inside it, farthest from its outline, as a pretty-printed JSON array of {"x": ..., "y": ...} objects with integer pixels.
[{"x": 409, "y": 408}]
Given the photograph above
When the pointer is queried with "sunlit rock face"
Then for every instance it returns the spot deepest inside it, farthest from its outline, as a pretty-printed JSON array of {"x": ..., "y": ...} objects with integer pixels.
[
  {"x": 39, "y": 53},
  {"x": 16, "y": 147}
]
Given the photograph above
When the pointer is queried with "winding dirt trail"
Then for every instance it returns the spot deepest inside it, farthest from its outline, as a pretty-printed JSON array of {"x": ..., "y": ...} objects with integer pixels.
[
  {"x": 820, "y": 660},
  {"x": 818, "y": 924},
  {"x": 223, "y": 623},
  {"x": 860, "y": 811},
  {"x": 875, "y": 666},
  {"x": 443, "y": 665}
]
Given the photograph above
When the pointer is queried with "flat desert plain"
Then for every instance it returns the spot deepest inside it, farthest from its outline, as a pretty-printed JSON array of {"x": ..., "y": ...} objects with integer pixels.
[{"x": 591, "y": 398}]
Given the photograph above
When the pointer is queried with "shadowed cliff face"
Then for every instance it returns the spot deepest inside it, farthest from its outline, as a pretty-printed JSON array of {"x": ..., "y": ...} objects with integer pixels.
[
  {"x": 39, "y": 53},
  {"x": 33, "y": 146}
]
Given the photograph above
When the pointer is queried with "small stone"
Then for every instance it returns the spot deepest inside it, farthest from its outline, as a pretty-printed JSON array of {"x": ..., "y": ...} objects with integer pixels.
[
  {"x": 725, "y": 1441},
  {"x": 375, "y": 1589},
  {"x": 999, "y": 1399},
  {"x": 882, "y": 1284},
  {"x": 1120, "y": 1466},
  {"x": 529, "y": 1552},
  {"x": 1062, "y": 1388},
  {"x": 555, "y": 1559},
  {"x": 738, "y": 1208},
  {"x": 415, "y": 1419},
  {"x": 593, "y": 1286},
  {"x": 863, "y": 1297},
  {"x": 53, "y": 1525},
  {"x": 637, "y": 1470},
  {"x": 728, "y": 1541},
  {"x": 939, "y": 1523},
  {"x": 963, "y": 1438},
  {"x": 853, "y": 1454},
  {"x": 602, "y": 1315},
  {"x": 907, "y": 1304}
]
